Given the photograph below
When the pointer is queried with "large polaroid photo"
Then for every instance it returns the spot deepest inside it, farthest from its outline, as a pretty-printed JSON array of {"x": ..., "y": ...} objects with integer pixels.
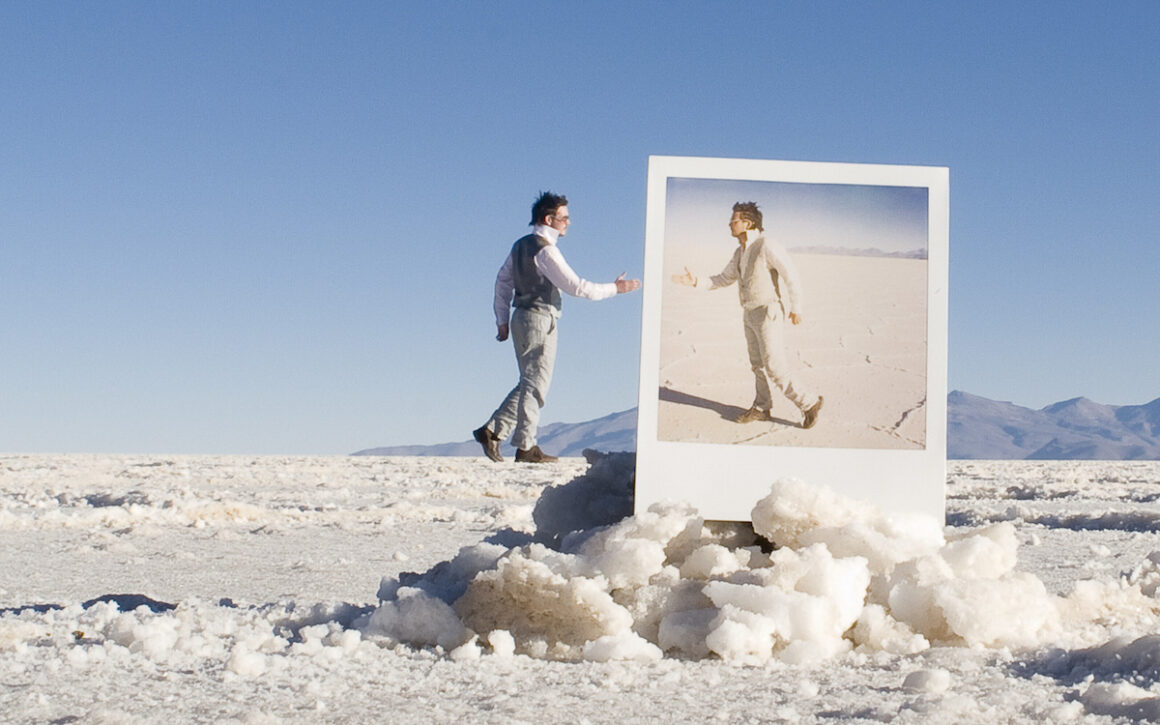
[{"x": 812, "y": 348}]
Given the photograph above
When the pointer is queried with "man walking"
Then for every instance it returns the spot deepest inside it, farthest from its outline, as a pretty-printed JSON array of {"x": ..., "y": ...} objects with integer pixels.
[
  {"x": 769, "y": 287},
  {"x": 531, "y": 280}
]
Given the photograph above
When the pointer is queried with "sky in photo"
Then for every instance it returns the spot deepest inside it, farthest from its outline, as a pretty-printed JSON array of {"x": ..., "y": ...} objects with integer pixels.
[
  {"x": 274, "y": 227},
  {"x": 850, "y": 216}
]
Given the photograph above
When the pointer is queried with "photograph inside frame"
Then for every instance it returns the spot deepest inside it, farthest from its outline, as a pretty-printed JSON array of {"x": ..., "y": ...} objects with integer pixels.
[
  {"x": 793, "y": 314},
  {"x": 793, "y": 307}
]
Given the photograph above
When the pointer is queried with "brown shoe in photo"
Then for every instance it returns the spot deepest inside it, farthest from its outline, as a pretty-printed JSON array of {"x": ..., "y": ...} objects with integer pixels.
[
  {"x": 752, "y": 415},
  {"x": 534, "y": 455},
  {"x": 489, "y": 442},
  {"x": 811, "y": 415}
]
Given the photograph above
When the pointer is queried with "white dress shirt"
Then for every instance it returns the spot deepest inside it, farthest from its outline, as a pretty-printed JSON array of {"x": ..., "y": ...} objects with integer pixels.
[{"x": 549, "y": 262}]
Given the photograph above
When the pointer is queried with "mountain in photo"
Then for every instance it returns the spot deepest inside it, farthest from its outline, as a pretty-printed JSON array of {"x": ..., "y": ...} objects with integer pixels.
[{"x": 977, "y": 428}]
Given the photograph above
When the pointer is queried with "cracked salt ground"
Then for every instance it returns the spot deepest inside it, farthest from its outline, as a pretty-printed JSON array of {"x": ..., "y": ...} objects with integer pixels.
[{"x": 252, "y": 596}]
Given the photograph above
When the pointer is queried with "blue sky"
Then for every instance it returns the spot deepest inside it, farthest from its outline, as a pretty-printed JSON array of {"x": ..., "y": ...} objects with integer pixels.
[
  {"x": 851, "y": 216},
  {"x": 274, "y": 227}
]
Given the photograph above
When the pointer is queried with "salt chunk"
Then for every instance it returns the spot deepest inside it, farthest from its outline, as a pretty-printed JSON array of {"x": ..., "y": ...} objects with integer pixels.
[
  {"x": 713, "y": 560},
  {"x": 931, "y": 682},
  {"x": 1014, "y": 611},
  {"x": 418, "y": 618},
  {"x": 625, "y": 645},
  {"x": 793, "y": 507},
  {"x": 742, "y": 637},
  {"x": 665, "y": 594},
  {"x": 877, "y": 630},
  {"x": 246, "y": 663},
  {"x": 988, "y": 553},
  {"x": 630, "y": 552},
  {"x": 466, "y": 652},
  {"x": 795, "y": 515},
  {"x": 502, "y": 643},
  {"x": 625, "y": 562},
  {"x": 1147, "y": 575},
  {"x": 686, "y": 631},
  {"x": 535, "y": 594}
]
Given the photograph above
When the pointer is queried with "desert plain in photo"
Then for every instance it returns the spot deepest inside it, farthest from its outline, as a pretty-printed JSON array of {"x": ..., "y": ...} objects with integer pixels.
[{"x": 862, "y": 345}]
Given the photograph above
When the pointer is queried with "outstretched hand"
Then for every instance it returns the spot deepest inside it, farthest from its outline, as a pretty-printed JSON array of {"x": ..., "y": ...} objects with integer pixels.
[
  {"x": 686, "y": 279},
  {"x": 626, "y": 285}
]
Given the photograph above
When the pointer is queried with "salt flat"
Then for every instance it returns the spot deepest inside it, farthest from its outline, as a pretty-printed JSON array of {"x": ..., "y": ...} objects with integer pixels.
[{"x": 258, "y": 575}]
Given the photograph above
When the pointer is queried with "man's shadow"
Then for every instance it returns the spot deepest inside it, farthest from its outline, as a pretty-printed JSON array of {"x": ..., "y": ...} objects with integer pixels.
[{"x": 726, "y": 411}]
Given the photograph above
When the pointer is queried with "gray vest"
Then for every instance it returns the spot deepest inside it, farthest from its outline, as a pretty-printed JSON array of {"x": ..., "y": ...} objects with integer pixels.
[{"x": 533, "y": 290}]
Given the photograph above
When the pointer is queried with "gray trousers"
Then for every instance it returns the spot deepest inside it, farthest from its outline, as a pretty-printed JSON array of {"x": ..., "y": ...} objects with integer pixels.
[
  {"x": 534, "y": 336},
  {"x": 765, "y": 337}
]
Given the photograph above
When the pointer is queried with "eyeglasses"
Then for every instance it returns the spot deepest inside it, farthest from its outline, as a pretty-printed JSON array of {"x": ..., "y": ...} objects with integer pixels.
[{"x": 565, "y": 219}]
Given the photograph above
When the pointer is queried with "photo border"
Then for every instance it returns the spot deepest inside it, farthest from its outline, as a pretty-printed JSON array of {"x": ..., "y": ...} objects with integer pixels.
[{"x": 724, "y": 481}]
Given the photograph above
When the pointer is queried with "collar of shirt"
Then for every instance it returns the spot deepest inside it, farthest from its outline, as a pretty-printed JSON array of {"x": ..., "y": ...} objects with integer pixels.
[
  {"x": 749, "y": 236},
  {"x": 547, "y": 232}
]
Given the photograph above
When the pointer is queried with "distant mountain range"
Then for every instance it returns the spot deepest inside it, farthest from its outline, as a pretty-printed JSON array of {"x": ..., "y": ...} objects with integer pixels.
[
  {"x": 1073, "y": 429},
  {"x": 615, "y": 432},
  {"x": 977, "y": 428},
  {"x": 860, "y": 252}
]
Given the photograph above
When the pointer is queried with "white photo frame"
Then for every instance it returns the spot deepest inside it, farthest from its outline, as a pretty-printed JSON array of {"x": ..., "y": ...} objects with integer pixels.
[{"x": 869, "y": 244}]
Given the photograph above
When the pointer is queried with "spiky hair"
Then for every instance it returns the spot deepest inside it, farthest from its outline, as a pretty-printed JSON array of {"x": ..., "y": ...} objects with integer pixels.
[
  {"x": 750, "y": 213},
  {"x": 546, "y": 205}
]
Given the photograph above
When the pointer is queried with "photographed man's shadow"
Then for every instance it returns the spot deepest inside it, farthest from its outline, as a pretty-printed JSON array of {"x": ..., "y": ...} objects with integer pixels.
[{"x": 726, "y": 411}]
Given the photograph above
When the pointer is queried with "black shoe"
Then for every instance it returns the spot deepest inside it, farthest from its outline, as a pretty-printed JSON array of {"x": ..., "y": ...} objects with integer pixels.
[
  {"x": 811, "y": 415},
  {"x": 489, "y": 442},
  {"x": 534, "y": 455}
]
